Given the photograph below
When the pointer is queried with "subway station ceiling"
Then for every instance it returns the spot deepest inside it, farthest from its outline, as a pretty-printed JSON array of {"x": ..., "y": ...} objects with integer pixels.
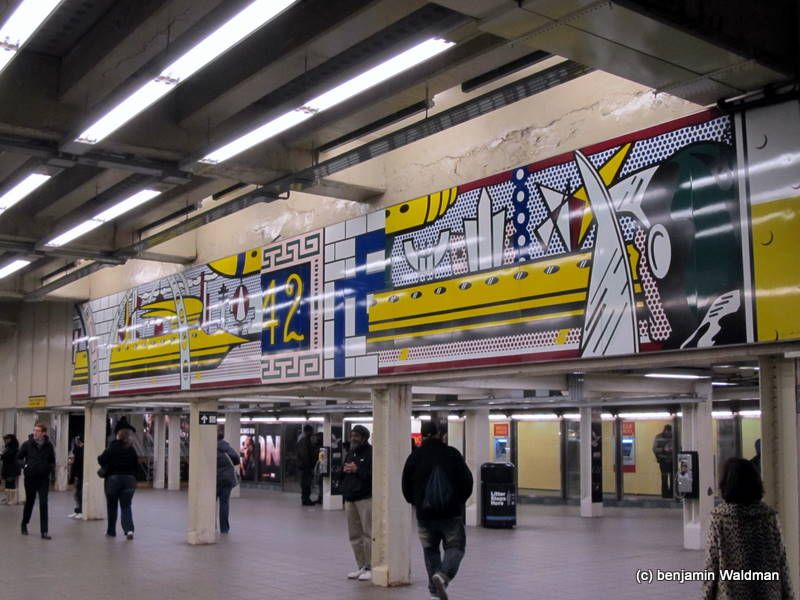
[{"x": 124, "y": 123}]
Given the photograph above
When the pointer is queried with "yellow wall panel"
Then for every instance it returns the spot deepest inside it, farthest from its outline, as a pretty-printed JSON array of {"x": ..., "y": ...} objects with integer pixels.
[
  {"x": 539, "y": 455},
  {"x": 647, "y": 478}
]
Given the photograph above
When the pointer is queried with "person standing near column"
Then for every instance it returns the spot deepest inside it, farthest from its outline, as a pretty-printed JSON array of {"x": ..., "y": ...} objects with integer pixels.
[
  {"x": 662, "y": 449},
  {"x": 120, "y": 462},
  {"x": 76, "y": 476},
  {"x": 227, "y": 460},
  {"x": 10, "y": 468},
  {"x": 356, "y": 488},
  {"x": 307, "y": 452},
  {"x": 38, "y": 460},
  {"x": 437, "y": 481}
]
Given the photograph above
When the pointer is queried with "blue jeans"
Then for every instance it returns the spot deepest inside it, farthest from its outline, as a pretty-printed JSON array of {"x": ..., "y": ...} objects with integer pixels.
[
  {"x": 224, "y": 496},
  {"x": 451, "y": 535},
  {"x": 120, "y": 489}
]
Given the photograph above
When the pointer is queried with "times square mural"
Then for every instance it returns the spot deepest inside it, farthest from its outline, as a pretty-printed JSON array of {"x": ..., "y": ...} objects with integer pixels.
[{"x": 683, "y": 235}]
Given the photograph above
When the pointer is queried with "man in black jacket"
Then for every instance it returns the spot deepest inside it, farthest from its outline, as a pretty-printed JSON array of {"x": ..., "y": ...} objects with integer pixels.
[
  {"x": 38, "y": 459},
  {"x": 356, "y": 488},
  {"x": 76, "y": 476},
  {"x": 307, "y": 453},
  {"x": 437, "y": 481}
]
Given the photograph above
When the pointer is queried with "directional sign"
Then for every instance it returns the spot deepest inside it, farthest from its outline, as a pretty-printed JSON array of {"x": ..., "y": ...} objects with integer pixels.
[{"x": 208, "y": 418}]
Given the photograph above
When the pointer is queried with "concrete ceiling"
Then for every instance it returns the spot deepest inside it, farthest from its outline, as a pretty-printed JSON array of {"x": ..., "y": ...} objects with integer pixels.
[{"x": 91, "y": 53}]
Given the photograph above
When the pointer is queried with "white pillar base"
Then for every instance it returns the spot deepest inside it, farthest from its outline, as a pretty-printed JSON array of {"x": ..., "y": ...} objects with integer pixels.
[
  {"x": 696, "y": 434},
  {"x": 94, "y": 443},
  {"x": 25, "y": 422},
  {"x": 476, "y": 437},
  {"x": 60, "y": 422},
  {"x": 159, "y": 451},
  {"x": 589, "y": 508},
  {"x": 391, "y": 514},
  {"x": 174, "y": 453},
  {"x": 202, "y": 476}
]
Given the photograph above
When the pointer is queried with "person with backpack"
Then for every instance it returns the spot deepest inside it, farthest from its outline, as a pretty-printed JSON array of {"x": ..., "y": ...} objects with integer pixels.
[
  {"x": 437, "y": 482},
  {"x": 227, "y": 462}
]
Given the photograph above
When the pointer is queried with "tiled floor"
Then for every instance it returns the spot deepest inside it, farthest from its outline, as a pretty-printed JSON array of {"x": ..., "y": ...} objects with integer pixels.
[{"x": 278, "y": 550}]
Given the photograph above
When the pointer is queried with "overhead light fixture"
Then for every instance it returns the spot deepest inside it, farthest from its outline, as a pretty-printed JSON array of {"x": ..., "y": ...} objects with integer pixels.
[
  {"x": 675, "y": 376},
  {"x": 107, "y": 215},
  {"x": 721, "y": 383},
  {"x": 21, "y": 25},
  {"x": 350, "y": 88},
  {"x": 236, "y": 29},
  {"x": 498, "y": 417},
  {"x": 535, "y": 417},
  {"x": 22, "y": 189},
  {"x": 645, "y": 416},
  {"x": 750, "y": 413},
  {"x": 721, "y": 414},
  {"x": 13, "y": 267}
]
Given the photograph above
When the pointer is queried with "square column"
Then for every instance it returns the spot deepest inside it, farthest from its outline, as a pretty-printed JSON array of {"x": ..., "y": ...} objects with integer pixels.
[
  {"x": 697, "y": 434},
  {"x": 591, "y": 462},
  {"x": 174, "y": 453},
  {"x": 60, "y": 422},
  {"x": 391, "y": 514},
  {"x": 476, "y": 442},
  {"x": 331, "y": 501},
  {"x": 94, "y": 443},
  {"x": 25, "y": 423},
  {"x": 159, "y": 451},
  {"x": 233, "y": 429},
  {"x": 780, "y": 449},
  {"x": 202, "y": 475}
]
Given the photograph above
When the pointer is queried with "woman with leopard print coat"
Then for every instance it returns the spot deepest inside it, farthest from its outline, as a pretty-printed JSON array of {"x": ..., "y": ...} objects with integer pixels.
[{"x": 745, "y": 547}]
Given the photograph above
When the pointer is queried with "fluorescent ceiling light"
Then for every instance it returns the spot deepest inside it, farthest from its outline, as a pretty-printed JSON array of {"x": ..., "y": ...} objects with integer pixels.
[
  {"x": 21, "y": 25},
  {"x": 360, "y": 83},
  {"x": 675, "y": 376},
  {"x": 13, "y": 267},
  {"x": 721, "y": 414},
  {"x": 498, "y": 417},
  {"x": 22, "y": 189},
  {"x": 750, "y": 413},
  {"x": 721, "y": 383},
  {"x": 107, "y": 215},
  {"x": 233, "y": 31},
  {"x": 539, "y": 417},
  {"x": 644, "y": 416}
]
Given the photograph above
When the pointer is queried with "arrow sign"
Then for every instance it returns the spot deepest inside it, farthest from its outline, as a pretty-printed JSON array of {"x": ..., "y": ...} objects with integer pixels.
[{"x": 208, "y": 418}]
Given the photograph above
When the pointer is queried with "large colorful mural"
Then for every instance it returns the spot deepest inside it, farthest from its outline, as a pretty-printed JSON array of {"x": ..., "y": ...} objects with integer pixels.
[{"x": 679, "y": 236}]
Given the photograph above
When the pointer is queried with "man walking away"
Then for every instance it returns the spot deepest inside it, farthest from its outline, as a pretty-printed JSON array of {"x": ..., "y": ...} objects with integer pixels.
[
  {"x": 437, "y": 481},
  {"x": 9, "y": 472},
  {"x": 356, "y": 488},
  {"x": 76, "y": 476},
  {"x": 38, "y": 459},
  {"x": 307, "y": 451}
]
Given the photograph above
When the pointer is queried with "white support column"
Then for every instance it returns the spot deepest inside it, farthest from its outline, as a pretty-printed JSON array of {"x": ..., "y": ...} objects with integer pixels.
[
  {"x": 391, "y": 514},
  {"x": 780, "y": 449},
  {"x": 591, "y": 463},
  {"x": 329, "y": 501},
  {"x": 202, "y": 475},
  {"x": 476, "y": 436},
  {"x": 697, "y": 434},
  {"x": 94, "y": 442},
  {"x": 174, "y": 453},
  {"x": 233, "y": 428},
  {"x": 25, "y": 422},
  {"x": 159, "y": 450},
  {"x": 60, "y": 421}
]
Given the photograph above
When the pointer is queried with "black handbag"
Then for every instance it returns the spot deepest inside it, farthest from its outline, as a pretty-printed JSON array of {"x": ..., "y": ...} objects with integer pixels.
[{"x": 102, "y": 472}]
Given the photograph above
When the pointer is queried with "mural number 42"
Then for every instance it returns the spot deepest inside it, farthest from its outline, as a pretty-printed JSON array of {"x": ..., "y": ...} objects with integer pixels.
[{"x": 285, "y": 320}]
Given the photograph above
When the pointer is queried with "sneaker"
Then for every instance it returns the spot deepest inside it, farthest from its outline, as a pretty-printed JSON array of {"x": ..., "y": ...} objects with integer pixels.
[
  {"x": 72, "y": 515},
  {"x": 440, "y": 583},
  {"x": 129, "y": 535},
  {"x": 366, "y": 575},
  {"x": 356, "y": 574}
]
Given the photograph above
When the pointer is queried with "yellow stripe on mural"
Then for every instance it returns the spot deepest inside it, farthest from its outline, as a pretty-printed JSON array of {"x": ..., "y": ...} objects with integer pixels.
[
  {"x": 558, "y": 315},
  {"x": 776, "y": 269}
]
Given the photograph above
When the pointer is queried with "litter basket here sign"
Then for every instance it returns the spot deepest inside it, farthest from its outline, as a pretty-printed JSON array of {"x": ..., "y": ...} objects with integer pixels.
[{"x": 208, "y": 418}]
